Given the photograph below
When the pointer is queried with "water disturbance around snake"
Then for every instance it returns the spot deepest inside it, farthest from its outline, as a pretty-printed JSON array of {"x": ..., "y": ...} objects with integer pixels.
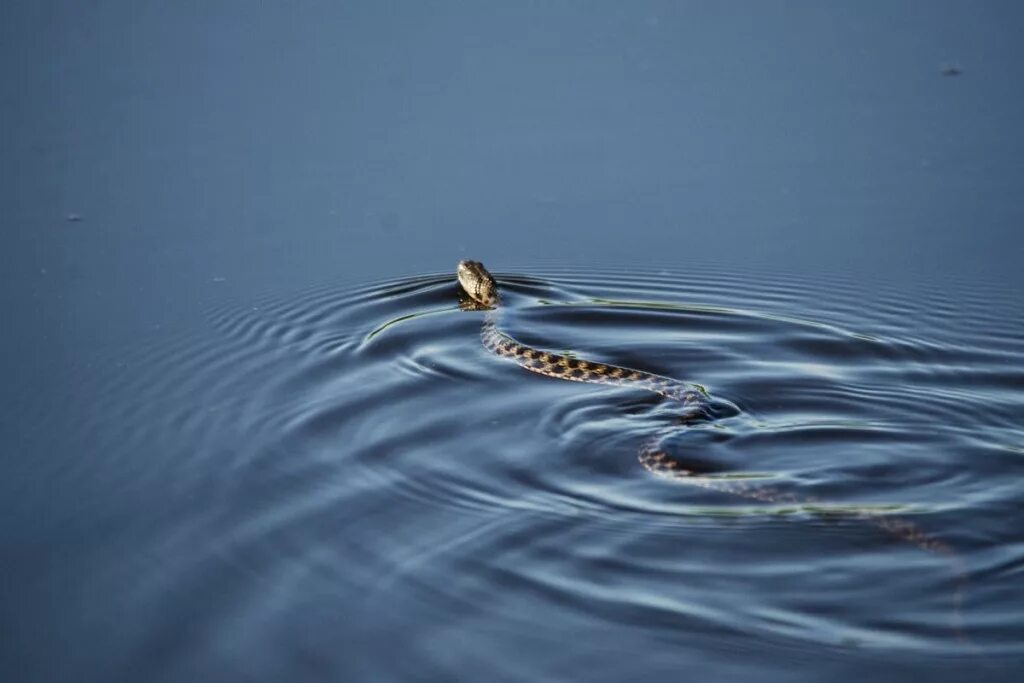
[{"x": 347, "y": 468}]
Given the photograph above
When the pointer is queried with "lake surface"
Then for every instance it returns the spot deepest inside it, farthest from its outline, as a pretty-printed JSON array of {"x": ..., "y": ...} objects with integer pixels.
[
  {"x": 323, "y": 476},
  {"x": 249, "y": 434}
]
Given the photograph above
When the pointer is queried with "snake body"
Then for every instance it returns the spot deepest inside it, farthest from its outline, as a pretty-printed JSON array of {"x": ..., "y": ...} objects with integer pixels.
[{"x": 482, "y": 290}]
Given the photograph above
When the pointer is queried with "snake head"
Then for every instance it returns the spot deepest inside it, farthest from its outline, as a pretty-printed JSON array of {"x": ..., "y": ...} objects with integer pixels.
[{"x": 478, "y": 283}]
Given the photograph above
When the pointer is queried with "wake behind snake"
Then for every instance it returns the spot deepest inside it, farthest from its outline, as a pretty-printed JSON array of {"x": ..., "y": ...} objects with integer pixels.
[{"x": 696, "y": 406}]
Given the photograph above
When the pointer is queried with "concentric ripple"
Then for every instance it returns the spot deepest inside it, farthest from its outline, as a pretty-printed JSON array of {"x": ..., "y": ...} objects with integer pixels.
[{"x": 354, "y": 461}]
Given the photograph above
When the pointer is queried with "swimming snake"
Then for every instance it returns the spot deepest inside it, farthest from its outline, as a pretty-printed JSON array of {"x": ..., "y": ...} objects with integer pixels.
[{"x": 697, "y": 406}]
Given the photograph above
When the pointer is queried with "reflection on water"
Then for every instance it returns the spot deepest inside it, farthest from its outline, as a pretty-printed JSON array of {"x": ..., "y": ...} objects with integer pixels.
[{"x": 350, "y": 484}]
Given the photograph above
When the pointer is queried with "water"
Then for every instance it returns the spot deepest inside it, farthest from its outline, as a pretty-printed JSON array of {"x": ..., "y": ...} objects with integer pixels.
[
  {"x": 327, "y": 475},
  {"x": 247, "y": 433}
]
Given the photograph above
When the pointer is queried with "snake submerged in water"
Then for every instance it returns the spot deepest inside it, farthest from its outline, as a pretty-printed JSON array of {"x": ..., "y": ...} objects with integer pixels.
[{"x": 697, "y": 406}]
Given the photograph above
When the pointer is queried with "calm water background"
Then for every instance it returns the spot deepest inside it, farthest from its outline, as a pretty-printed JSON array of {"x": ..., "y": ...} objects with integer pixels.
[{"x": 220, "y": 461}]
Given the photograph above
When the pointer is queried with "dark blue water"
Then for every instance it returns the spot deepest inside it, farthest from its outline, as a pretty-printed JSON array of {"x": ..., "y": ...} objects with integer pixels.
[{"x": 248, "y": 434}]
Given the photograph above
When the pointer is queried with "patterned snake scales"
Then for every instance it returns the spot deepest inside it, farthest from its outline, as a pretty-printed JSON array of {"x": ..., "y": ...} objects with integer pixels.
[{"x": 482, "y": 290}]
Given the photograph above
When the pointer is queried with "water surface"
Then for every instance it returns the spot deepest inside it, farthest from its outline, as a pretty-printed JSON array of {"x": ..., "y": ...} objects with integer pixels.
[
  {"x": 342, "y": 482},
  {"x": 248, "y": 435}
]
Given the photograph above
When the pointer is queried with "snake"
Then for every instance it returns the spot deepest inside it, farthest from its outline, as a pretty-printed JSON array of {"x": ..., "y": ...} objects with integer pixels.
[{"x": 697, "y": 406}]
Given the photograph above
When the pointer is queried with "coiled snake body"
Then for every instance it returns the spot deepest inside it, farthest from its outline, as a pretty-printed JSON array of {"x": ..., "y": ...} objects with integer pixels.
[{"x": 697, "y": 406}]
